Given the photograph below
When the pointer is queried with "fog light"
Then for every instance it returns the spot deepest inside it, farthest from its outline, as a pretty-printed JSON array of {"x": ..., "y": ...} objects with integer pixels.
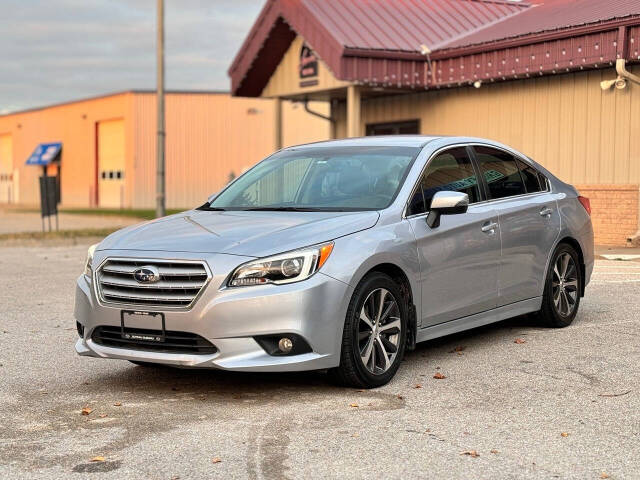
[{"x": 285, "y": 345}]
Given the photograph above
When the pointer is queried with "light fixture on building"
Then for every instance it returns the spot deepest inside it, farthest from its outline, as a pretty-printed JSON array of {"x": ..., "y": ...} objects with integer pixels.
[{"x": 477, "y": 83}]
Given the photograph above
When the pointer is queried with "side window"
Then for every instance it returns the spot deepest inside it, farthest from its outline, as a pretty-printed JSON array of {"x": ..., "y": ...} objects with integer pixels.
[
  {"x": 530, "y": 176},
  {"x": 451, "y": 170},
  {"x": 500, "y": 172}
]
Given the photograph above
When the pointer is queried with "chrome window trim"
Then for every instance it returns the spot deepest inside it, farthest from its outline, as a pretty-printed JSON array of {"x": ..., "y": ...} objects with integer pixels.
[
  {"x": 186, "y": 308},
  {"x": 483, "y": 202}
]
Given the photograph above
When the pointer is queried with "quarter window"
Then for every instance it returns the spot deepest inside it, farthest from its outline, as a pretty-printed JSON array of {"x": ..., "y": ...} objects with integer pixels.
[
  {"x": 448, "y": 171},
  {"x": 500, "y": 172},
  {"x": 530, "y": 176}
]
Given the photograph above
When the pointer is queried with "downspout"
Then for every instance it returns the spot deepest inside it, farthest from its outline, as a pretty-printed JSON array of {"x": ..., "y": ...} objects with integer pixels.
[{"x": 330, "y": 118}]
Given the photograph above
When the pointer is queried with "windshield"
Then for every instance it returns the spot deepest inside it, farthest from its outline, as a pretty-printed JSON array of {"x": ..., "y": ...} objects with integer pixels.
[{"x": 321, "y": 178}]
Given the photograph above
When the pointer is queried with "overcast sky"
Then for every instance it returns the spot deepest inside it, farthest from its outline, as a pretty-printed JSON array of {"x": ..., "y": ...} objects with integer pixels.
[{"x": 57, "y": 50}]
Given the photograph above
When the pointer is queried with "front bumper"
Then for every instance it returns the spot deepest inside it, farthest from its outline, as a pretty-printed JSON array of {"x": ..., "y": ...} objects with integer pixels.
[{"x": 230, "y": 317}]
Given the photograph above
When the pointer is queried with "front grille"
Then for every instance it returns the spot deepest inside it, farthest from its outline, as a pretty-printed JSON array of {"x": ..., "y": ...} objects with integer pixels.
[
  {"x": 174, "y": 342},
  {"x": 179, "y": 285}
]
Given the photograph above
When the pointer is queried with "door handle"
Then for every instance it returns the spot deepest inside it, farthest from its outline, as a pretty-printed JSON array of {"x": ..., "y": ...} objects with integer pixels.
[
  {"x": 489, "y": 227},
  {"x": 546, "y": 212}
]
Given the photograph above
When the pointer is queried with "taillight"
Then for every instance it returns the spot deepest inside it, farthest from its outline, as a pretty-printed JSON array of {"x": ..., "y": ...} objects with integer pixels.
[{"x": 585, "y": 203}]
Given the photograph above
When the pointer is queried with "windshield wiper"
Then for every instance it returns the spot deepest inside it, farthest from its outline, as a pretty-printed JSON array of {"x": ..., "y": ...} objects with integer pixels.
[{"x": 281, "y": 209}]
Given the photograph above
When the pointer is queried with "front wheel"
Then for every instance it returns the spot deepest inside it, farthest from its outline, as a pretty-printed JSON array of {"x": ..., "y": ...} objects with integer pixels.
[
  {"x": 563, "y": 285},
  {"x": 375, "y": 333}
]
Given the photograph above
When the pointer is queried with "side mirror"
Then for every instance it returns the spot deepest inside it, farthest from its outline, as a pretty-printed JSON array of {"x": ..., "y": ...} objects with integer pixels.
[{"x": 446, "y": 203}]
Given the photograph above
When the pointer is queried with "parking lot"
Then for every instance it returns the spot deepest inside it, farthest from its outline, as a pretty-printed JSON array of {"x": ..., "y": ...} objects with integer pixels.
[{"x": 553, "y": 404}]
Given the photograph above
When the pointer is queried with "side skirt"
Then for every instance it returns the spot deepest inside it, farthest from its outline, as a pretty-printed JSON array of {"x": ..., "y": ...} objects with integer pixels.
[{"x": 480, "y": 319}]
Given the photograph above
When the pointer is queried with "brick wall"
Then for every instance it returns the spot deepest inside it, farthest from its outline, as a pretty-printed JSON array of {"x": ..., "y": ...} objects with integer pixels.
[{"x": 614, "y": 212}]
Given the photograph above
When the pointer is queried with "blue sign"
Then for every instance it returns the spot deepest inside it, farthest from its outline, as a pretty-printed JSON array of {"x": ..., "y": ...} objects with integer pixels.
[{"x": 44, "y": 154}]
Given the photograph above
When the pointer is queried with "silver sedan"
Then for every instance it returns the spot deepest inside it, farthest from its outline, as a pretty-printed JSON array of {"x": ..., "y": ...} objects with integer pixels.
[{"x": 341, "y": 255}]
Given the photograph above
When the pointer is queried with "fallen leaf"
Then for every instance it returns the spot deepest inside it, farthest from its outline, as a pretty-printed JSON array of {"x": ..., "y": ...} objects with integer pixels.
[
  {"x": 427, "y": 430},
  {"x": 604, "y": 475},
  {"x": 360, "y": 390},
  {"x": 355, "y": 405},
  {"x": 470, "y": 453},
  {"x": 216, "y": 460},
  {"x": 400, "y": 397},
  {"x": 355, "y": 435},
  {"x": 439, "y": 376},
  {"x": 86, "y": 411},
  {"x": 458, "y": 349},
  {"x": 102, "y": 415},
  {"x": 417, "y": 385},
  {"x": 98, "y": 459},
  {"x": 117, "y": 404},
  {"x": 494, "y": 451},
  {"x": 564, "y": 434},
  {"x": 519, "y": 340}
]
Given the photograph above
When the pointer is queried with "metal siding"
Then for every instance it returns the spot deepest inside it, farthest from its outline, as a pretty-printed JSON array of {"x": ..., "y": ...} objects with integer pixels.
[
  {"x": 567, "y": 123},
  {"x": 208, "y": 138},
  {"x": 73, "y": 124}
]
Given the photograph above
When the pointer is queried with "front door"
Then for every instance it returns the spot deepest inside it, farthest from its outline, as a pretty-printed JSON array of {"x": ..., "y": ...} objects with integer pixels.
[
  {"x": 459, "y": 259},
  {"x": 529, "y": 222}
]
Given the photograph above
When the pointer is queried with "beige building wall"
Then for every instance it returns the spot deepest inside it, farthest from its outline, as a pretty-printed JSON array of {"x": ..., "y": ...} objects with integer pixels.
[
  {"x": 286, "y": 78},
  {"x": 73, "y": 124},
  {"x": 567, "y": 123},
  {"x": 209, "y": 137}
]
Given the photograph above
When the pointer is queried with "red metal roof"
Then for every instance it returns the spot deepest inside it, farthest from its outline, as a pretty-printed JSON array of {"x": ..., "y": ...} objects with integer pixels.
[
  {"x": 404, "y": 25},
  {"x": 552, "y": 15},
  {"x": 377, "y": 42}
]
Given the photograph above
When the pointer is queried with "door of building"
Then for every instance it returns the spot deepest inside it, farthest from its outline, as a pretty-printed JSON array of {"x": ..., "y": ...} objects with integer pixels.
[
  {"x": 409, "y": 127},
  {"x": 111, "y": 163},
  {"x": 7, "y": 190}
]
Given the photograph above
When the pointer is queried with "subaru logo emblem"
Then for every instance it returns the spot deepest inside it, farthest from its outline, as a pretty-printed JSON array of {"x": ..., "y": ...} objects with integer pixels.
[{"x": 147, "y": 274}]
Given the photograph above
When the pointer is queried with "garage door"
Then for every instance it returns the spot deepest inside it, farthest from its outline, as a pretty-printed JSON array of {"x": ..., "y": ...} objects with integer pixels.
[
  {"x": 7, "y": 191},
  {"x": 111, "y": 164}
]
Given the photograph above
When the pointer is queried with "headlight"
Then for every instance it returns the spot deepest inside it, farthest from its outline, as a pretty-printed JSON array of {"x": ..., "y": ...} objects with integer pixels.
[
  {"x": 87, "y": 264},
  {"x": 285, "y": 268}
]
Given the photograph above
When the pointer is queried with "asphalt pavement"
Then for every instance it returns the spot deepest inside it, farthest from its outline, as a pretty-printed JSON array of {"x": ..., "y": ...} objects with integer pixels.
[{"x": 518, "y": 401}]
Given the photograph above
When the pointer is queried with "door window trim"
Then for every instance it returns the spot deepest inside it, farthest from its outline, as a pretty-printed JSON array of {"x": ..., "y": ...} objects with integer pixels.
[
  {"x": 484, "y": 190},
  {"x": 526, "y": 160},
  {"x": 424, "y": 169}
]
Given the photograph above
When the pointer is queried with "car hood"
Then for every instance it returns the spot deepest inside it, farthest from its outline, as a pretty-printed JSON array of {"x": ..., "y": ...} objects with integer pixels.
[{"x": 253, "y": 234}]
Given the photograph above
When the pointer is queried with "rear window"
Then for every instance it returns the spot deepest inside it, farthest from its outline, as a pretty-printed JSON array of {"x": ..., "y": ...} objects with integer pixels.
[
  {"x": 531, "y": 177},
  {"x": 500, "y": 171}
]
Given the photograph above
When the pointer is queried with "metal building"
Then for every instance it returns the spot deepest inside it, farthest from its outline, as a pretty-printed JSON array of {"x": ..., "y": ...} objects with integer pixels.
[
  {"x": 107, "y": 156},
  {"x": 527, "y": 73}
]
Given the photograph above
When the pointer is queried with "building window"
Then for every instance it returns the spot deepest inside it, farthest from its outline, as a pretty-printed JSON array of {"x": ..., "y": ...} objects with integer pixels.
[{"x": 409, "y": 127}]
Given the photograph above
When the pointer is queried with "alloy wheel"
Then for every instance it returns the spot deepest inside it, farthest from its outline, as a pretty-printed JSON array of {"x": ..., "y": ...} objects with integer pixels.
[
  {"x": 379, "y": 331},
  {"x": 565, "y": 285}
]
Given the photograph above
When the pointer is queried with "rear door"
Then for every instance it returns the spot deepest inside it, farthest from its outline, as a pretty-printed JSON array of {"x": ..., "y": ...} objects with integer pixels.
[
  {"x": 529, "y": 222},
  {"x": 458, "y": 259}
]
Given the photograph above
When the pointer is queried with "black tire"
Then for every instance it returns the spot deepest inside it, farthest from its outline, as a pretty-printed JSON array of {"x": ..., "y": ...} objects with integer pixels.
[
  {"x": 551, "y": 314},
  {"x": 352, "y": 371}
]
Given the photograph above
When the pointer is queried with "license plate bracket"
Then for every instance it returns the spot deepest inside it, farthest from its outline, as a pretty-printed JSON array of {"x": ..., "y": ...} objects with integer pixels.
[{"x": 146, "y": 319}]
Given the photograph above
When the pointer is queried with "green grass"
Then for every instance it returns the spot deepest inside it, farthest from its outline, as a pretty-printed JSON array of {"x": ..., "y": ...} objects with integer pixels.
[
  {"x": 135, "y": 213},
  {"x": 60, "y": 234}
]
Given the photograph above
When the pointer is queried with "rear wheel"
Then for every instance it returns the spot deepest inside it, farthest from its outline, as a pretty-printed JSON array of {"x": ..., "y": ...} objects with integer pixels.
[
  {"x": 374, "y": 335},
  {"x": 563, "y": 285}
]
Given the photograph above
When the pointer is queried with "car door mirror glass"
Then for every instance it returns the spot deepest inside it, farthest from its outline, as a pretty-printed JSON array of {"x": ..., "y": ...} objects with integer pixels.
[{"x": 446, "y": 203}]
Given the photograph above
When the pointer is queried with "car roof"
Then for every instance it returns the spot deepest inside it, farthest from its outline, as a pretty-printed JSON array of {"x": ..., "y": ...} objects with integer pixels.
[
  {"x": 398, "y": 141},
  {"x": 373, "y": 141}
]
